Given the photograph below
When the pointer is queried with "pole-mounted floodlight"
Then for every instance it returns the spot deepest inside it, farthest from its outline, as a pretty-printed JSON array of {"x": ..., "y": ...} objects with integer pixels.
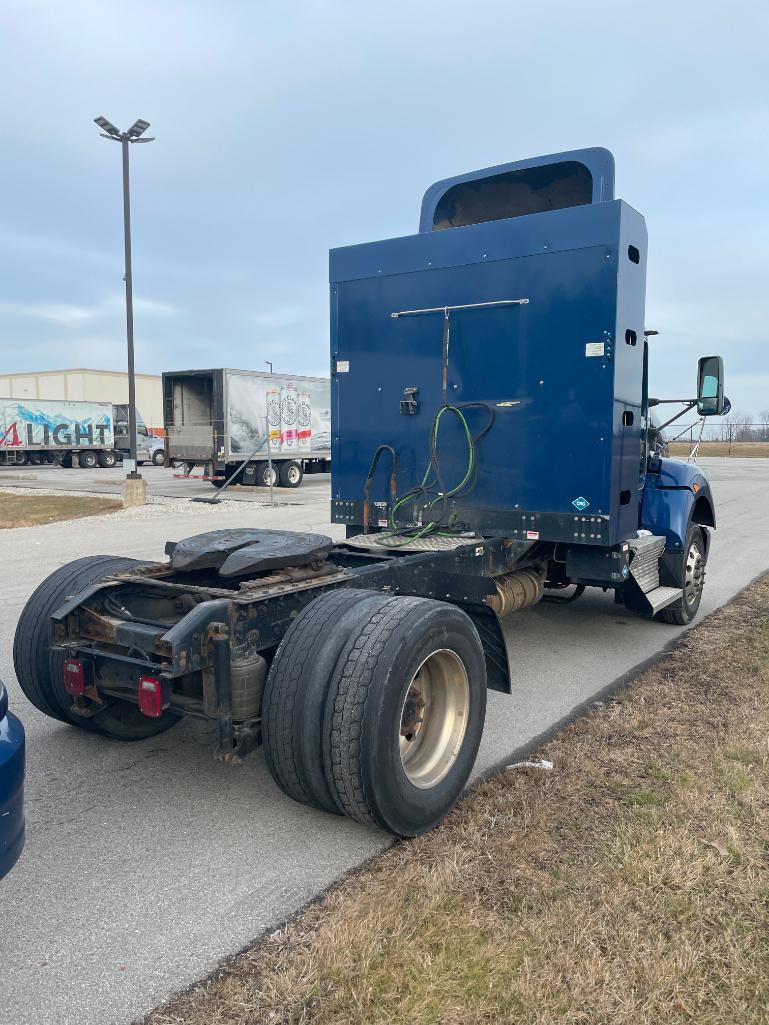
[
  {"x": 139, "y": 127},
  {"x": 109, "y": 131},
  {"x": 108, "y": 127}
]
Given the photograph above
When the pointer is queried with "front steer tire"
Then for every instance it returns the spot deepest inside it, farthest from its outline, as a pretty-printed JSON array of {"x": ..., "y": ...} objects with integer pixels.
[
  {"x": 39, "y": 669},
  {"x": 414, "y": 675},
  {"x": 690, "y": 578},
  {"x": 295, "y": 693}
]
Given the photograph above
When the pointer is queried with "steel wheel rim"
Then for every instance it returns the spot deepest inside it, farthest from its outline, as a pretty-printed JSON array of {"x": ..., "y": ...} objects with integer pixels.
[
  {"x": 694, "y": 574},
  {"x": 293, "y": 474},
  {"x": 433, "y": 718}
]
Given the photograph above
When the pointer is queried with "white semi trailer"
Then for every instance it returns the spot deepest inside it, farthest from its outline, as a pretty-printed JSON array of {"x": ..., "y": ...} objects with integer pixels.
[
  {"x": 254, "y": 428},
  {"x": 69, "y": 433}
]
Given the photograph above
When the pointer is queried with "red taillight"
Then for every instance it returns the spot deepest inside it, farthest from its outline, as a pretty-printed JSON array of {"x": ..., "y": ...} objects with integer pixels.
[
  {"x": 150, "y": 696},
  {"x": 74, "y": 677}
]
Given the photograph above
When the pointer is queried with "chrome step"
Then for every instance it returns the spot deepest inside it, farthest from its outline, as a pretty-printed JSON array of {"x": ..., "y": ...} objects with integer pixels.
[
  {"x": 645, "y": 563},
  {"x": 660, "y": 597}
]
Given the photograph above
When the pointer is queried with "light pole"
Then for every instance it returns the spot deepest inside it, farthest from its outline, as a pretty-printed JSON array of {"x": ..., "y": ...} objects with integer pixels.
[
  {"x": 134, "y": 133},
  {"x": 269, "y": 364}
]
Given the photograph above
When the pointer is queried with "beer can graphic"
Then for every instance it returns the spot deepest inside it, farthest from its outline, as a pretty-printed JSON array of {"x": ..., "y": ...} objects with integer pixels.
[
  {"x": 288, "y": 416},
  {"x": 273, "y": 418},
  {"x": 304, "y": 421}
]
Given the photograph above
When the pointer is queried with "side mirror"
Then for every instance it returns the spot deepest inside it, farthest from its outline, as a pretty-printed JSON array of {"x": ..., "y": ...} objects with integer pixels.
[
  {"x": 727, "y": 407},
  {"x": 710, "y": 386}
]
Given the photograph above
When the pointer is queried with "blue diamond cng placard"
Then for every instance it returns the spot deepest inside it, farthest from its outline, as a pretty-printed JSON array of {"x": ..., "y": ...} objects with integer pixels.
[{"x": 580, "y": 503}]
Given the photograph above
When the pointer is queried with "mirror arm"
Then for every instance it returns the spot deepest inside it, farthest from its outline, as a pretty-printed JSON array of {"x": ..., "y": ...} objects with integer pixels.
[{"x": 690, "y": 404}]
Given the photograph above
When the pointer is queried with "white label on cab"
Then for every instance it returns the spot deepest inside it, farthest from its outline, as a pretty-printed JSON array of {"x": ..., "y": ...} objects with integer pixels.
[
  {"x": 594, "y": 348},
  {"x": 343, "y": 366}
]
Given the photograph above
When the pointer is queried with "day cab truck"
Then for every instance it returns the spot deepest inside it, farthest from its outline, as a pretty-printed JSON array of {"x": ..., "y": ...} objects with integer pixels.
[
  {"x": 71, "y": 434},
  {"x": 490, "y": 447}
]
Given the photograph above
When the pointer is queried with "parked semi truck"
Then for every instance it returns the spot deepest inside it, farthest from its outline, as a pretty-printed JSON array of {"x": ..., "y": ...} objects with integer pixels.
[
  {"x": 85, "y": 434},
  {"x": 244, "y": 427},
  {"x": 490, "y": 450}
]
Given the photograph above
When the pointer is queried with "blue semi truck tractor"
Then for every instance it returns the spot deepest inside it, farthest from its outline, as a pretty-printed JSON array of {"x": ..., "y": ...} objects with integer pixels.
[{"x": 491, "y": 448}]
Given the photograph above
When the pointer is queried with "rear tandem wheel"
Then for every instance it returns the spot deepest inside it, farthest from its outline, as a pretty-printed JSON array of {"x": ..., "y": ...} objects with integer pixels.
[
  {"x": 374, "y": 707},
  {"x": 40, "y": 670}
]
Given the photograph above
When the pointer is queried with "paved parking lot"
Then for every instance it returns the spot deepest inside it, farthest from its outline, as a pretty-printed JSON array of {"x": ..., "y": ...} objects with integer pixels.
[
  {"x": 148, "y": 864},
  {"x": 160, "y": 481}
]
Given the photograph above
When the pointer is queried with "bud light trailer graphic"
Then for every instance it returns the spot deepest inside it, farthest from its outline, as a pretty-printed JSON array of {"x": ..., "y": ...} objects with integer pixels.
[{"x": 53, "y": 424}]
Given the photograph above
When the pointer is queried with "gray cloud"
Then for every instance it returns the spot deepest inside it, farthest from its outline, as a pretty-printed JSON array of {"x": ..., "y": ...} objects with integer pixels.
[{"x": 285, "y": 129}]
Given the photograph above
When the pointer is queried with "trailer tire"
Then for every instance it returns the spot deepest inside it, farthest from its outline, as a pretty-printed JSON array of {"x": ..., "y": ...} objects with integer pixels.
[
  {"x": 88, "y": 460},
  {"x": 291, "y": 474},
  {"x": 107, "y": 459},
  {"x": 39, "y": 669},
  {"x": 417, "y": 665},
  {"x": 262, "y": 475},
  {"x": 691, "y": 579},
  {"x": 296, "y": 689}
]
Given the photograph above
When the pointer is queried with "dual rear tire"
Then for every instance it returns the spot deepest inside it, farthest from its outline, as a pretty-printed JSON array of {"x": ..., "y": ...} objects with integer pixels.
[
  {"x": 374, "y": 708},
  {"x": 283, "y": 473},
  {"x": 107, "y": 459},
  {"x": 40, "y": 667},
  {"x": 286, "y": 473}
]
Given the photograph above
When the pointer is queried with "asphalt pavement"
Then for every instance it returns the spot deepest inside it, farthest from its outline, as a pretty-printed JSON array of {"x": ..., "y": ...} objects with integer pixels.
[
  {"x": 166, "y": 483},
  {"x": 148, "y": 864}
]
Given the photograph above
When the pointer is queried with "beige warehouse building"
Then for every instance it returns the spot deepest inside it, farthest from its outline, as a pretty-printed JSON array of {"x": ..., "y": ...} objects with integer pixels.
[{"x": 82, "y": 383}]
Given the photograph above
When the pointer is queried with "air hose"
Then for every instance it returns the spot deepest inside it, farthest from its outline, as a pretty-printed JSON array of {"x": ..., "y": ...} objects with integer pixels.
[{"x": 428, "y": 486}]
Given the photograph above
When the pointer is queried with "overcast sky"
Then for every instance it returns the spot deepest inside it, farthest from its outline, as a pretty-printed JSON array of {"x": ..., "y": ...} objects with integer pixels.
[{"x": 284, "y": 129}]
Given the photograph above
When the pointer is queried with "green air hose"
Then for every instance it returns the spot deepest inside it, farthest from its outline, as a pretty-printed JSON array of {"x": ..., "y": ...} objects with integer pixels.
[{"x": 427, "y": 486}]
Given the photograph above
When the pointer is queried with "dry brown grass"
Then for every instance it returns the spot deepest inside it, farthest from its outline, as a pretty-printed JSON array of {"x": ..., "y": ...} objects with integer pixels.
[
  {"x": 739, "y": 449},
  {"x": 628, "y": 885},
  {"x": 32, "y": 510}
]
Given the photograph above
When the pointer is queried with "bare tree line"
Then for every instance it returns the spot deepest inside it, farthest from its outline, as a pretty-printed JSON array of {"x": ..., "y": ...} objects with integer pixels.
[
  {"x": 732, "y": 428},
  {"x": 744, "y": 427}
]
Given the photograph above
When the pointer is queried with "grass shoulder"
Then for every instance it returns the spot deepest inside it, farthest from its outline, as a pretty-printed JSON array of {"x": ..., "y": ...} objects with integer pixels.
[
  {"x": 737, "y": 449},
  {"x": 33, "y": 510},
  {"x": 626, "y": 886}
]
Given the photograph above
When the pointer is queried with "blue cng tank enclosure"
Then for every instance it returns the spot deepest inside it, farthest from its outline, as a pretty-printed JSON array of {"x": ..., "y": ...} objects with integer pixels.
[{"x": 543, "y": 272}]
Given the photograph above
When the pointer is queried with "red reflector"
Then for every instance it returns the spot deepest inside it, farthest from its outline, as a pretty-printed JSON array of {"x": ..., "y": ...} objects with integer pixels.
[
  {"x": 74, "y": 677},
  {"x": 150, "y": 696}
]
